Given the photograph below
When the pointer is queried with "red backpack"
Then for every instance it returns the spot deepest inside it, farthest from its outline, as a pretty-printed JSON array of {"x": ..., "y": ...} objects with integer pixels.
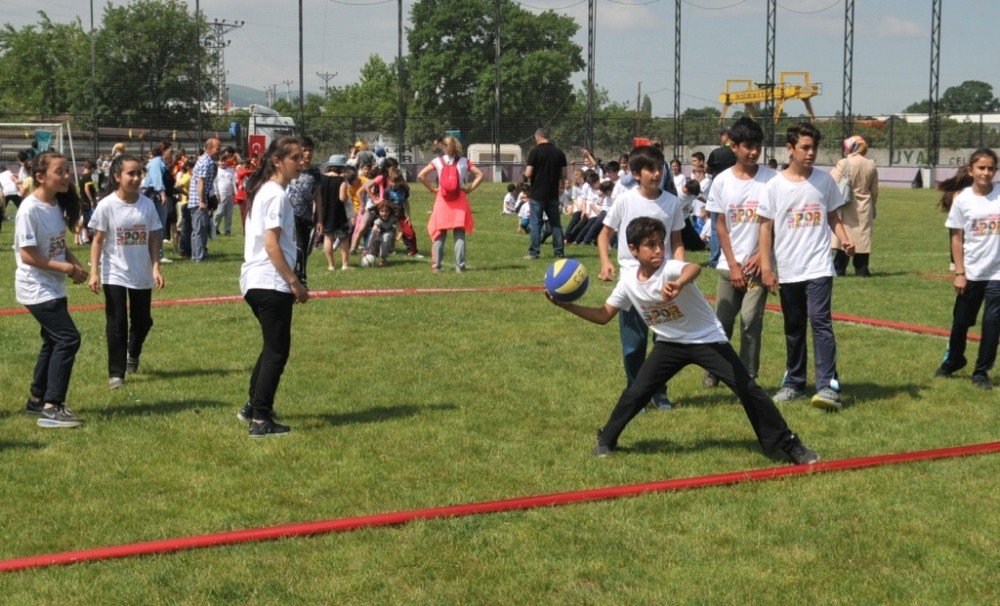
[{"x": 449, "y": 181}]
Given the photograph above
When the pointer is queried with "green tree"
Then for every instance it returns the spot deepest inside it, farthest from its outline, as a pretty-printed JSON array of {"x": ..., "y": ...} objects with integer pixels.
[
  {"x": 969, "y": 97},
  {"x": 44, "y": 68},
  {"x": 451, "y": 65},
  {"x": 146, "y": 71}
]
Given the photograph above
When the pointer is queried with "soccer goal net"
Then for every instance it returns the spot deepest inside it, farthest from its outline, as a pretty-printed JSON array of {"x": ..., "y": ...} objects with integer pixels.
[{"x": 35, "y": 137}]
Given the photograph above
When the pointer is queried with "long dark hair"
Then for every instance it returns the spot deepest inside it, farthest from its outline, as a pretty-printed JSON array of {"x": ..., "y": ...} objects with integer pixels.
[
  {"x": 68, "y": 201},
  {"x": 115, "y": 173},
  {"x": 961, "y": 179},
  {"x": 279, "y": 148}
]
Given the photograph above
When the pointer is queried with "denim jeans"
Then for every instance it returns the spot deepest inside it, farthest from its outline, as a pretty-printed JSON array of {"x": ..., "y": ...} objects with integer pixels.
[
  {"x": 715, "y": 249},
  {"x": 803, "y": 302},
  {"x": 552, "y": 211},
  {"x": 200, "y": 221},
  {"x": 60, "y": 342},
  {"x": 635, "y": 340},
  {"x": 964, "y": 316}
]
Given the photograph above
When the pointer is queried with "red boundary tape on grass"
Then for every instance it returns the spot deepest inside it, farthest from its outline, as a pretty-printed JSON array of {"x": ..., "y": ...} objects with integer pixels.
[
  {"x": 403, "y": 517},
  {"x": 387, "y": 292}
]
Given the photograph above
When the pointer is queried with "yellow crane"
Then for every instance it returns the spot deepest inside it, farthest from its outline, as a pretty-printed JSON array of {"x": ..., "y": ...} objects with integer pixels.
[{"x": 791, "y": 85}]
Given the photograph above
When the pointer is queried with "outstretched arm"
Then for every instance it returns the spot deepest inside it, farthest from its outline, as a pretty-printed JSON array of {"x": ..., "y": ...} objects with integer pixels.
[{"x": 597, "y": 315}]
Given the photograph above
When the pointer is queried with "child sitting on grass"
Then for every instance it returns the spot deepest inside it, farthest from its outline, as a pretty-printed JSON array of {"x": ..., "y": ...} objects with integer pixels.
[
  {"x": 687, "y": 332},
  {"x": 383, "y": 236}
]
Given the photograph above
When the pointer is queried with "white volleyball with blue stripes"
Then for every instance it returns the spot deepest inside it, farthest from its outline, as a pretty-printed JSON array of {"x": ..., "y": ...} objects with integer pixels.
[{"x": 566, "y": 280}]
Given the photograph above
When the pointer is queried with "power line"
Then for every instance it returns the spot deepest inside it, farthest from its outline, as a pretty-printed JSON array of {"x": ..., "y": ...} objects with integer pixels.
[{"x": 826, "y": 8}]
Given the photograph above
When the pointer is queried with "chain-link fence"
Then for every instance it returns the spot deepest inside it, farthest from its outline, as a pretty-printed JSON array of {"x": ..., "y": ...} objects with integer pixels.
[{"x": 892, "y": 142}]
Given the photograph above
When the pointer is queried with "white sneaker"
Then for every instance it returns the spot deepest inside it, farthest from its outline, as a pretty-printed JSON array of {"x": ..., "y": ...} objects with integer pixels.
[{"x": 166, "y": 260}]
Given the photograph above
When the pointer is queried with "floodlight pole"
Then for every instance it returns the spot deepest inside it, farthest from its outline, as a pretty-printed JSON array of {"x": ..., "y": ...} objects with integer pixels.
[
  {"x": 846, "y": 104},
  {"x": 772, "y": 17},
  {"x": 934, "y": 109},
  {"x": 496, "y": 96},
  {"x": 678, "y": 127},
  {"x": 302, "y": 82},
  {"x": 197, "y": 65},
  {"x": 93, "y": 81},
  {"x": 591, "y": 59},
  {"x": 401, "y": 101}
]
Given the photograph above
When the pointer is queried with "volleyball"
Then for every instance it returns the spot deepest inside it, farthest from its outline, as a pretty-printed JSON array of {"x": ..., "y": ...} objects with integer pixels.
[
  {"x": 566, "y": 280},
  {"x": 368, "y": 260}
]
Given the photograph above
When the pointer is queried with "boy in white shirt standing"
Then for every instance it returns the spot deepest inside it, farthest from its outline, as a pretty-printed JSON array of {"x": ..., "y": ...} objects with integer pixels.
[
  {"x": 735, "y": 195},
  {"x": 646, "y": 200},
  {"x": 663, "y": 293},
  {"x": 796, "y": 218}
]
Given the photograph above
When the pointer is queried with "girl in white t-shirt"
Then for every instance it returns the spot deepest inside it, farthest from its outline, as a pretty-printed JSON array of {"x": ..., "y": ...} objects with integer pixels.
[
  {"x": 43, "y": 262},
  {"x": 126, "y": 235},
  {"x": 975, "y": 244},
  {"x": 267, "y": 278},
  {"x": 679, "y": 178}
]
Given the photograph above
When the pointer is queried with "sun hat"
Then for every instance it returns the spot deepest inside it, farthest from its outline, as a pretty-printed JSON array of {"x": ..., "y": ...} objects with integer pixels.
[{"x": 335, "y": 161}]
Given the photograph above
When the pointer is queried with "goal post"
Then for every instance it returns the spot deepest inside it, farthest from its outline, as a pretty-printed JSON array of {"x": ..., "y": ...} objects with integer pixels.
[{"x": 17, "y": 136}]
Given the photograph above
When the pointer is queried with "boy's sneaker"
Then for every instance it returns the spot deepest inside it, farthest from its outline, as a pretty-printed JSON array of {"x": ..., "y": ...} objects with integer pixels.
[
  {"x": 58, "y": 417},
  {"x": 827, "y": 399},
  {"x": 982, "y": 381},
  {"x": 131, "y": 366},
  {"x": 601, "y": 450},
  {"x": 788, "y": 394},
  {"x": 709, "y": 381},
  {"x": 268, "y": 429},
  {"x": 246, "y": 413},
  {"x": 800, "y": 454},
  {"x": 116, "y": 383},
  {"x": 33, "y": 408}
]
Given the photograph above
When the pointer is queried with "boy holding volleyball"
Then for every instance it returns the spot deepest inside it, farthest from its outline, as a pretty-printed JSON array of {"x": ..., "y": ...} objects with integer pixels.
[{"x": 687, "y": 331}]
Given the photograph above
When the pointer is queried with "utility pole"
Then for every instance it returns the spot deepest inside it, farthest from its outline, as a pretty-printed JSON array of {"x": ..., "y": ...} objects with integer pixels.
[
  {"x": 272, "y": 93},
  {"x": 288, "y": 94},
  {"x": 216, "y": 43},
  {"x": 326, "y": 77}
]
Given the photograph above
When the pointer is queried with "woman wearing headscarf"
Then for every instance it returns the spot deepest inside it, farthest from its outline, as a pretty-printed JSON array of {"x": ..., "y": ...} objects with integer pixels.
[{"x": 859, "y": 212}]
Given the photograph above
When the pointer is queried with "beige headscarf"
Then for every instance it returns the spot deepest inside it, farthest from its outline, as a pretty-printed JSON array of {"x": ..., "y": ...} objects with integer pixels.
[{"x": 855, "y": 145}]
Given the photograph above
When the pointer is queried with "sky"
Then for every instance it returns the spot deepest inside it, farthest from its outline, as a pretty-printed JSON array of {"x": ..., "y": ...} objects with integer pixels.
[{"x": 720, "y": 39}]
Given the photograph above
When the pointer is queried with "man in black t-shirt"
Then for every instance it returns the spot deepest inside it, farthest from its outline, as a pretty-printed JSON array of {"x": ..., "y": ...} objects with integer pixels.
[{"x": 545, "y": 170}]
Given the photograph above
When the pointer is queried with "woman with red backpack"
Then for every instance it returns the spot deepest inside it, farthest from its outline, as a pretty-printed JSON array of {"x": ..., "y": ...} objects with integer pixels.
[{"x": 451, "y": 203}]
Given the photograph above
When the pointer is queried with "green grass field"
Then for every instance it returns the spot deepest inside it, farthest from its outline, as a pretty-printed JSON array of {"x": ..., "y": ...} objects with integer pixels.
[{"x": 404, "y": 402}]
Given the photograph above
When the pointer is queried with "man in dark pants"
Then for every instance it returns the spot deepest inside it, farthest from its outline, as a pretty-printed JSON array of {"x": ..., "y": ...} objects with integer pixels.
[
  {"x": 302, "y": 195},
  {"x": 546, "y": 167}
]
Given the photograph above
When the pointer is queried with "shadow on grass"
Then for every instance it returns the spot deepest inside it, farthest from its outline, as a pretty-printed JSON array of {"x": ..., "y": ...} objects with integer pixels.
[
  {"x": 159, "y": 408},
  {"x": 190, "y": 372},
  {"x": 660, "y": 446},
  {"x": 12, "y": 444},
  {"x": 855, "y": 394},
  {"x": 373, "y": 415}
]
